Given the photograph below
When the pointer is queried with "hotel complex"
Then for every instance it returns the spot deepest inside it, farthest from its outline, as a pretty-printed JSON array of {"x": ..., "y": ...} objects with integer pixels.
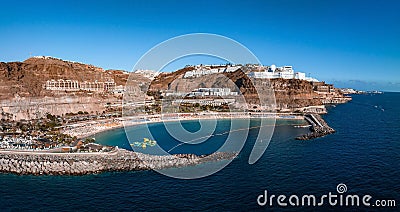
[
  {"x": 75, "y": 85},
  {"x": 201, "y": 70},
  {"x": 284, "y": 72},
  {"x": 257, "y": 71},
  {"x": 203, "y": 92}
]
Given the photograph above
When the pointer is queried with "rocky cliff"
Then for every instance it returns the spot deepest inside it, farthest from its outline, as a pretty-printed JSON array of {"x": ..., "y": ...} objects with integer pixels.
[
  {"x": 26, "y": 79},
  {"x": 290, "y": 94},
  {"x": 22, "y": 91}
]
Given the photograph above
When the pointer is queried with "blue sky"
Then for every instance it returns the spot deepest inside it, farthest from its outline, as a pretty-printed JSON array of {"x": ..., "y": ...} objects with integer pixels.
[{"x": 349, "y": 43}]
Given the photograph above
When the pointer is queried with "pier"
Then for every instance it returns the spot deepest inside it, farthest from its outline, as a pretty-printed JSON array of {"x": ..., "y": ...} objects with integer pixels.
[{"x": 319, "y": 127}]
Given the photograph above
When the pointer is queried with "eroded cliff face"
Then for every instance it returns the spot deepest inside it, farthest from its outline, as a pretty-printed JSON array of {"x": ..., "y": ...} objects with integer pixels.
[
  {"x": 290, "y": 94},
  {"x": 16, "y": 79},
  {"x": 294, "y": 93},
  {"x": 26, "y": 79},
  {"x": 163, "y": 80},
  {"x": 22, "y": 91}
]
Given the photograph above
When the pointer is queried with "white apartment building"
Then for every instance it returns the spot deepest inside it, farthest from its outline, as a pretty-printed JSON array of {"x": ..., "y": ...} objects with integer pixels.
[
  {"x": 285, "y": 72},
  {"x": 201, "y": 92},
  {"x": 204, "y": 92},
  {"x": 201, "y": 70},
  {"x": 211, "y": 102},
  {"x": 62, "y": 85},
  {"x": 75, "y": 85}
]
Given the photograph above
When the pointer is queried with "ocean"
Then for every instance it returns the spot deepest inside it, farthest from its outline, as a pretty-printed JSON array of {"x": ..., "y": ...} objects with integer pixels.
[{"x": 363, "y": 154}]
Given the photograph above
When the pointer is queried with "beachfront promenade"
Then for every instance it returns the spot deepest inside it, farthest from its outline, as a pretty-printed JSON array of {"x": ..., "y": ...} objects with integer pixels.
[{"x": 46, "y": 163}]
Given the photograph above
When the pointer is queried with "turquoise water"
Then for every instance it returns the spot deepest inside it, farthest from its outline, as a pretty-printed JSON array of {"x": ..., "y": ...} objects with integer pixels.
[
  {"x": 192, "y": 143},
  {"x": 364, "y": 154}
]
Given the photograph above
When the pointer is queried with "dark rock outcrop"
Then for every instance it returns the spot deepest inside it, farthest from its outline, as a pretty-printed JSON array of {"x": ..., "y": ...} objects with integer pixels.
[{"x": 319, "y": 127}]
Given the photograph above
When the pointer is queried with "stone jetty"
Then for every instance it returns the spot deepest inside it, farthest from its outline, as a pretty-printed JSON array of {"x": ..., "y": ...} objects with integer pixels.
[
  {"x": 44, "y": 163},
  {"x": 319, "y": 127}
]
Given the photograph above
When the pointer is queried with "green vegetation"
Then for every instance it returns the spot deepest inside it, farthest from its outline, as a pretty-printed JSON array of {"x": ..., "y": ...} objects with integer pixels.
[
  {"x": 89, "y": 140},
  {"x": 190, "y": 108},
  {"x": 45, "y": 128}
]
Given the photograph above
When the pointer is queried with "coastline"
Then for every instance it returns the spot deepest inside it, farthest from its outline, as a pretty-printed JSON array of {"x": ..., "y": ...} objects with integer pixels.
[
  {"x": 82, "y": 163},
  {"x": 87, "y": 129}
]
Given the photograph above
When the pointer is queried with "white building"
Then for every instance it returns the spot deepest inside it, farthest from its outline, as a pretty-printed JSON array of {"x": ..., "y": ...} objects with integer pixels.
[
  {"x": 285, "y": 72},
  {"x": 264, "y": 75},
  {"x": 119, "y": 90},
  {"x": 150, "y": 74},
  {"x": 211, "y": 102},
  {"x": 201, "y": 70},
  {"x": 62, "y": 85},
  {"x": 74, "y": 85},
  {"x": 204, "y": 92},
  {"x": 213, "y": 92},
  {"x": 300, "y": 75}
]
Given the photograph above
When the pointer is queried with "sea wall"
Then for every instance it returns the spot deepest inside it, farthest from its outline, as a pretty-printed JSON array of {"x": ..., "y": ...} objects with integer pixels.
[{"x": 40, "y": 163}]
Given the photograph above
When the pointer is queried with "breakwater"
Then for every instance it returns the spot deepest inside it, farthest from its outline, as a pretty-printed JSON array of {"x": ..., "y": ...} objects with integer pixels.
[
  {"x": 41, "y": 163},
  {"x": 319, "y": 127}
]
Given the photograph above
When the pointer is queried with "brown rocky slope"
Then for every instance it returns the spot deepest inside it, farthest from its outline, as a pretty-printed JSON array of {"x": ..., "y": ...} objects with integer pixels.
[
  {"x": 22, "y": 91},
  {"x": 290, "y": 94}
]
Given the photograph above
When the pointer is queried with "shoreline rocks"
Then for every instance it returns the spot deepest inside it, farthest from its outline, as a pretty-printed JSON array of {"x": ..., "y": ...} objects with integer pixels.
[
  {"x": 36, "y": 163},
  {"x": 319, "y": 127}
]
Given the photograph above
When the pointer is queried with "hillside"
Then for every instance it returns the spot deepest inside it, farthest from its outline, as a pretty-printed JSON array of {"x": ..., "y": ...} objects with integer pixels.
[
  {"x": 23, "y": 90},
  {"x": 26, "y": 79},
  {"x": 289, "y": 93}
]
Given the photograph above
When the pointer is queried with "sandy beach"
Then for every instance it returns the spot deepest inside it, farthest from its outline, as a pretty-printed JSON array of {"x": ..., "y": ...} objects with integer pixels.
[{"x": 86, "y": 129}]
